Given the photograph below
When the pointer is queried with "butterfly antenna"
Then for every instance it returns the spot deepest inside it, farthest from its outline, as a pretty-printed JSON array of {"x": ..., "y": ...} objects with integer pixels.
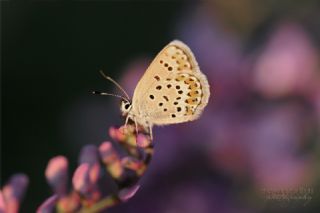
[
  {"x": 109, "y": 94},
  {"x": 115, "y": 83}
]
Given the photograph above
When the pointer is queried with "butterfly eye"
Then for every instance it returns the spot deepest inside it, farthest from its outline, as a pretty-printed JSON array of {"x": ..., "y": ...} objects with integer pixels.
[{"x": 127, "y": 106}]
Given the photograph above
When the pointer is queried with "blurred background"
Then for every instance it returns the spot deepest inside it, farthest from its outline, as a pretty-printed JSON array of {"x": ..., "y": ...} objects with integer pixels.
[{"x": 260, "y": 131}]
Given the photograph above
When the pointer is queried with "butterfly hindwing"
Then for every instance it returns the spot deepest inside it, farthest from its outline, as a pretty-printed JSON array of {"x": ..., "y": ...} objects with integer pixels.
[{"x": 172, "y": 90}]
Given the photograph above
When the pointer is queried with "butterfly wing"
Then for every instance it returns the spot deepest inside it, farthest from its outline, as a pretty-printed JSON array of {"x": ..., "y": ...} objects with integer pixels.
[{"x": 172, "y": 90}]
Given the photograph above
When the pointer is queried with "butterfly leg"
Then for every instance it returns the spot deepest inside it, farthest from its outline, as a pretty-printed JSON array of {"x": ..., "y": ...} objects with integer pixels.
[
  {"x": 127, "y": 120},
  {"x": 150, "y": 131},
  {"x": 136, "y": 125}
]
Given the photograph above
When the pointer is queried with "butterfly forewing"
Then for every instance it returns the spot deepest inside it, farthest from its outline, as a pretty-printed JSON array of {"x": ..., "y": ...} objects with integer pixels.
[{"x": 172, "y": 90}]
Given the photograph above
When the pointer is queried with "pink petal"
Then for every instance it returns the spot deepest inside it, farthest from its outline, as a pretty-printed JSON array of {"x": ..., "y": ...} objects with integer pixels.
[{"x": 126, "y": 194}]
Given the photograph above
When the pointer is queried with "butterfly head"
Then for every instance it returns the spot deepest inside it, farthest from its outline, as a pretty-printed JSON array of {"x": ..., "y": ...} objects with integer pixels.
[{"x": 125, "y": 107}]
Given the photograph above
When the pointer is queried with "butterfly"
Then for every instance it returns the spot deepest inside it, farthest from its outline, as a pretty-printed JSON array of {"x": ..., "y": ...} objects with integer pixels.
[{"x": 172, "y": 90}]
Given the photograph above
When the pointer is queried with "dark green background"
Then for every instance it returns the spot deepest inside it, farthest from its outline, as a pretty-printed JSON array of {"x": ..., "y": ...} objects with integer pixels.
[{"x": 51, "y": 54}]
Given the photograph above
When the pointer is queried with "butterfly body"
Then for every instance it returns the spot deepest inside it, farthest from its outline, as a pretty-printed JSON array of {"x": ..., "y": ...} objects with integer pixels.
[{"x": 172, "y": 90}]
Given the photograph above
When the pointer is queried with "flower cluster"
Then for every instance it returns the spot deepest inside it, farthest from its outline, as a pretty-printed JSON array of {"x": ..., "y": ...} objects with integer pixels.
[{"x": 105, "y": 176}]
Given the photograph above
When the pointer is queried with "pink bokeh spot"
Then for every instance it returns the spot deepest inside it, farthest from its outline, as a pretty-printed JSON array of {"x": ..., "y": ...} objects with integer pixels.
[{"x": 288, "y": 63}]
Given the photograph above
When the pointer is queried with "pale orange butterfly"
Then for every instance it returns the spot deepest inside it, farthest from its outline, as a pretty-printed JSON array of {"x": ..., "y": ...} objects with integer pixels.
[{"x": 172, "y": 90}]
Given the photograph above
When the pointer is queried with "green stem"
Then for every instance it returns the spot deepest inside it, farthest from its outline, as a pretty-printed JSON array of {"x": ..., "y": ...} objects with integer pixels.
[{"x": 105, "y": 203}]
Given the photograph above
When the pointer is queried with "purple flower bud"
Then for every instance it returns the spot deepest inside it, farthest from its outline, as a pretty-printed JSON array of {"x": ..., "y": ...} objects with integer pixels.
[
  {"x": 126, "y": 194},
  {"x": 57, "y": 174},
  {"x": 48, "y": 205},
  {"x": 14, "y": 191},
  {"x": 89, "y": 154}
]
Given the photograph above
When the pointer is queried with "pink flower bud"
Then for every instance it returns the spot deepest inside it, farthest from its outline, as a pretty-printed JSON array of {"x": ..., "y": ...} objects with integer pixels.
[
  {"x": 143, "y": 141},
  {"x": 57, "y": 174},
  {"x": 81, "y": 180},
  {"x": 14, "y": 191}
]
